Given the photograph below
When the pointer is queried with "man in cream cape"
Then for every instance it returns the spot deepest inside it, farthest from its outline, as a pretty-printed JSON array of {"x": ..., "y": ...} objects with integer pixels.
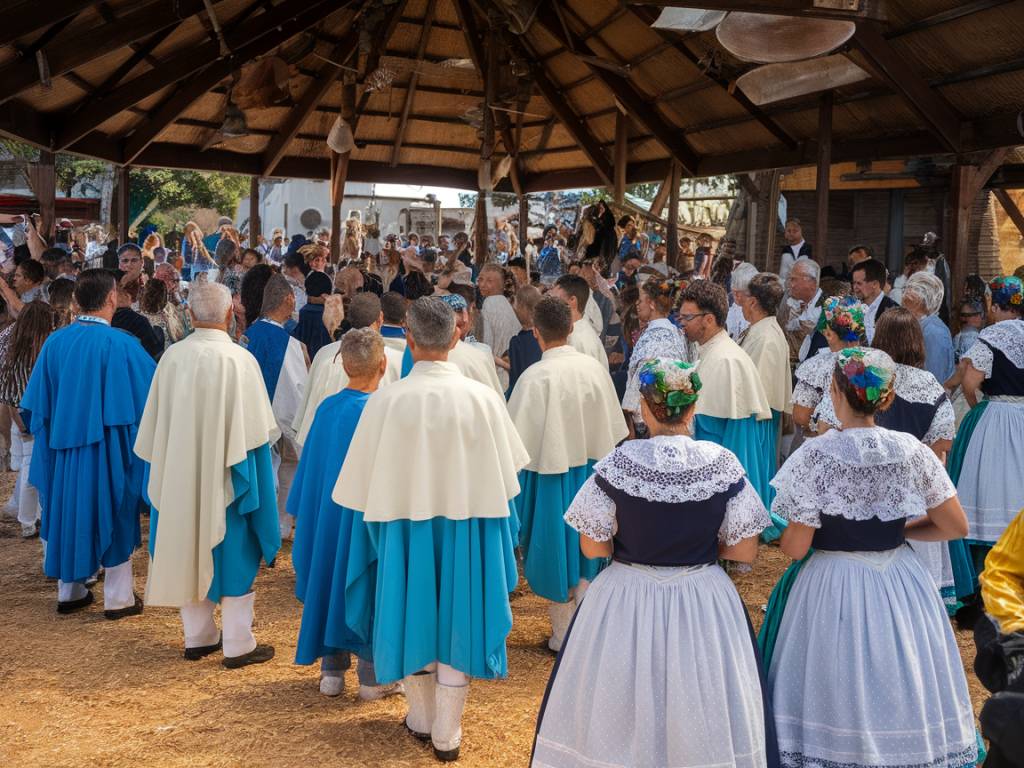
[
  {"x": 327, "y": 374},
  {"x": 574, "y": 291},
  {"x": 283, "y": 361},
  {"x": 733, "y": 409},
  {"x": 567, "y": 413},
  {"x": 206, "y": 433},
  {"x": 442, "y": 540}
]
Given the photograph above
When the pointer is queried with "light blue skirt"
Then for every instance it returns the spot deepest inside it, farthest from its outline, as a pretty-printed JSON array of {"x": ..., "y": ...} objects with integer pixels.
[
  {"x": 252, "y": 531},
  {"x": 433, "y": 590},
  {"x": 552, "y": 561}
]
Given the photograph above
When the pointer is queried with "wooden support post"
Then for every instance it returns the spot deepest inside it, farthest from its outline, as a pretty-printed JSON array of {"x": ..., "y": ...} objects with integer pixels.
[
  {"x": 961, "y": 198},
  {"x": 621, "y": 153},
  {"x": 339, "y": 172},
  {"x": 824, "y": 171},
  {"x": 524, "y": 227},
  {"x": 255, "y": 228},
  {"x": 45, "y": 183},
  {"x": 480, "y": 254},
  {"x": 484, "y": 181},
  {"x": 771, "y": 220},
  {"x": 121, "y": 203},
  {"x": 658, "y": 204},
  {"x": 672, "y": 234}
]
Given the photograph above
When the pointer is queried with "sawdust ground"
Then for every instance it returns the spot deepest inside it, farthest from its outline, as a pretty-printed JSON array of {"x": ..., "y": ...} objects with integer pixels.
[{"x": 81, "y": 691}]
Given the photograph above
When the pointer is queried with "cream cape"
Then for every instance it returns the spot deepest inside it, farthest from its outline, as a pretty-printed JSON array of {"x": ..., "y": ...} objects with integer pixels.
[
  {"x": 476, "y": 365},
  {"x": 327, "y": 377},
  {"x": 435, "y": 444},
  {"x": 395, "y": 343},
  {"x": 207, "y": 408},
  {"x": 732, "y": 386},
  {"x": 566, "y": 411},
  {"x": 585, "y": 339},
  {"x": 767, "y": 346}
]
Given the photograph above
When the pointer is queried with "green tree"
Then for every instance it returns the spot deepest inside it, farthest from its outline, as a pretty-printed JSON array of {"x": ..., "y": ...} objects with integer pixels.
[{"x": 186, "y": 189}]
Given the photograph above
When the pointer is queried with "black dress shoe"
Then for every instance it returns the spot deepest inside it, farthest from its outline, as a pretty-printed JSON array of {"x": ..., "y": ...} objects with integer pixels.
[
  {"x": 447, "y": 755},
  {"x": 424, "y": 737},
  {"x": 200, "y": 651},
  {"x": 257, "y": 655},
  {"x": 123, "y": 613},
  {"x": 70, "y": 606}
]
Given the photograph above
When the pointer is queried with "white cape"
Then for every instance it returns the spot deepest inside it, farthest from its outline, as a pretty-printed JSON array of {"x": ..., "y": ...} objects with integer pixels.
[
  {"x": 585, "y": 339},
  {"x": 207, "y": 408},
  {"x": 435, "y": 444},
  {"x": 476, "y": 364},
  {"x": 732, "y": 387},
  {"x": 566, "y": 411},
  {"x": 327, "y": 377},
  {"x": 766, "y": 344}
]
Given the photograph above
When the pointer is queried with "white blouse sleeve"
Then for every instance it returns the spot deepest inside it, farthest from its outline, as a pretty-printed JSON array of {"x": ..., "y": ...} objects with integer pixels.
[
  {"x": 930, "y": 479},
  {"x": 745, "y": 516},
  {"x": 980, "y": 355},
  {"x": 943, "y": 426},
  {"x": 592, "y": 512},
  {"x": 796, "y": 499},
  {"x": 805, "y": 395}
]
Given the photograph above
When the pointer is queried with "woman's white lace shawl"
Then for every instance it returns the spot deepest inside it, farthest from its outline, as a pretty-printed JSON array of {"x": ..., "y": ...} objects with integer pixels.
[
  {"x": 670, "y": 470},
  {"x": 813, "y": 379},
  {"x": 860, "y": 474},
  {"x": 656, "y": 341},
  {"x": 1007, "y": 336}
]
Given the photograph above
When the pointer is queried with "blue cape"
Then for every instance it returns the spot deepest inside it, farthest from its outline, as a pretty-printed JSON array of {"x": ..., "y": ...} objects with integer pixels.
[{"x": 267, "y": 343}]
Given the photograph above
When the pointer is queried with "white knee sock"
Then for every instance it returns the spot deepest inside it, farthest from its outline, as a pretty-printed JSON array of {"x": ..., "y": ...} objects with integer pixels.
[
  {"x": 236, "y": 615},
  {"x": 70, "y": 590},
  {"x": 579, "y": 590},
  {"x": 197, "y": 622},
  {"x": 450, "y": 701},
  {"x": 118, "y": 587},
  {"x": 419, "y": 693},
  {"x": 27, "y": 496},
  {"x": 560, "y": 615}
]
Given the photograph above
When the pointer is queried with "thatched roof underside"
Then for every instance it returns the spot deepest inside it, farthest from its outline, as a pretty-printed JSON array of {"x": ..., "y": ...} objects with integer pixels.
[{"x": 146, "y": 82}]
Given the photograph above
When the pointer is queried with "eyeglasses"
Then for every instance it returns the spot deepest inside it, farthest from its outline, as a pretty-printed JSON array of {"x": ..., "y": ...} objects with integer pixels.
[
  {"x": 969, "y": 314},
  {"x": 688, "y": 318}
]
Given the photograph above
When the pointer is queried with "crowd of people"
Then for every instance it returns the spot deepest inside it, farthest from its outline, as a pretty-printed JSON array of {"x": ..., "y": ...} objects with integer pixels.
[{"x": 427, "y": 428}]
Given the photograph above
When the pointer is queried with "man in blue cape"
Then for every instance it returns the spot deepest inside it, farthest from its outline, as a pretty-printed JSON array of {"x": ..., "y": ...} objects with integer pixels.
[{"x": 85, "y": 399}]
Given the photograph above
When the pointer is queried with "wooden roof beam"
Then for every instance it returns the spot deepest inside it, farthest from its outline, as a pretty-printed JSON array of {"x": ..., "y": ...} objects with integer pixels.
[
  {"x": 312, "y": 96},
  {"x": 928, "y": 104},
  {"x": 936, "y": 19},
  {"x": 25, "y": 18},
  {"x": 186, "y": 62},
  {"x": 202, "y": 82},
  {"x": 80, "y": 46},
  {"x": 414, "y": 79},
  {"x": 868, "y": 9},
  {"x": 372, "y": 61},
  {"x": 638, "y": 105}
]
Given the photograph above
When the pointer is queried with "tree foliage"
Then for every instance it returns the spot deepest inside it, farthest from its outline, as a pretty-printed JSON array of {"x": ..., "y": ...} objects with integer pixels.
[{"x": 186, "y": 189}]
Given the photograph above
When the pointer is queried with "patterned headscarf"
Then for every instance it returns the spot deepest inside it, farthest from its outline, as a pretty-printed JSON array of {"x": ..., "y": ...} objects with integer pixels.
[
  {"x": 669, "y": 386},
  {"x": 1008, "y": 291},
  {"x": 871, "y": 372},
  {"x": 844, "y": 315},
  {"x": 455, "y": 301}
]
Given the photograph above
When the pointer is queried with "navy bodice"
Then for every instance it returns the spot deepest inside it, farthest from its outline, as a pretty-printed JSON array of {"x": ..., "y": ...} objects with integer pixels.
[
  {"x": 905, "y": 416},
  {"x": 664, "y": 533},
  {"x": 838, "y": 534},
  {"x": 1007, "y": 379}
]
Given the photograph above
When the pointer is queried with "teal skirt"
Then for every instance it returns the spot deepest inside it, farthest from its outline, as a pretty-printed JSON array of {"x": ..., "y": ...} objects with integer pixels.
[
  {"x": 776, "y": 608},
  {"x": 552, "y": 561},
  {"x": 961, "y": 553}
]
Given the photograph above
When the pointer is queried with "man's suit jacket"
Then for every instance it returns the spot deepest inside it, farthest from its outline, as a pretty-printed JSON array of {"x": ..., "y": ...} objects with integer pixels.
[{"x": 884, "y": 304}]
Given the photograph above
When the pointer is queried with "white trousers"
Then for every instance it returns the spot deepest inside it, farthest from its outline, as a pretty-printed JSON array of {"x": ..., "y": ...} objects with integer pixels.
[
  {"x": 285, "y": 457},
  {"x": 118, "y": 588},
  {"x": 236, "y": 614},
  {"x": 25, "y": 493}
]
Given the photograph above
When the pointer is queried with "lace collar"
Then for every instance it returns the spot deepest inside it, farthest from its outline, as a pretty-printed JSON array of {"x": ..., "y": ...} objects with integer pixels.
[
  {"x": 1008, "y": 337},
  {"x": 817, "y": 370},
  {"x": 915, "y": 385},
  {"x": 865, "y": 446},
  {"x": 670, "y": 469}
]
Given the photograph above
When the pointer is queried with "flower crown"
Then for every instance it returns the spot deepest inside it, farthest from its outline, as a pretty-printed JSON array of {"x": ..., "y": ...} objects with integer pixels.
[
  {"x": 1007, "y": 291},
  {"x": 845, "y": 316},
  {"x": 669, "y": 384},
  {"x": 665, "y": 287},
  {"x": 871, "y": 372}
]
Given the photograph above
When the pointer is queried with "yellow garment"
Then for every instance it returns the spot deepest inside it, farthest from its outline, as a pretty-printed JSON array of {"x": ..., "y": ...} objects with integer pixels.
[
  {"x": 732, "y": 386},
  {"x": 566, "y": 411},
  {"x": 585, "y": 339},
  {"x": 450, "y": 438},
  {"x": 327, "y": 377},
  {"x": 207, "y": 408},
  {"x": 1002, "y": 581},
  {"x": 766, "y": 344},
  {"x": 476, "y": 364}
]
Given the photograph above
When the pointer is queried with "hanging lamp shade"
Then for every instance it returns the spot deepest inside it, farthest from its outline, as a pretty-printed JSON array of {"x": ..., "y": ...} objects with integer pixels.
[
  {"x": 688, "y": 19},
  {"x": 340, "y": 138},
  {"x": 767, "y": 39},
  {"x": 777, "y": 82}
]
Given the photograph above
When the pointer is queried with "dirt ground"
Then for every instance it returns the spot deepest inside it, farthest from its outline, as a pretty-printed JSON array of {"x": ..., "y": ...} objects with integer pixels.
[{"x": 80, "y": 691}]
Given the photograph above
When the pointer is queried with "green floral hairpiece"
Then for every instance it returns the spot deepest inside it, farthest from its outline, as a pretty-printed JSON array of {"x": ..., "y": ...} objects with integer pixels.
[{"x": 670, "y": 384}]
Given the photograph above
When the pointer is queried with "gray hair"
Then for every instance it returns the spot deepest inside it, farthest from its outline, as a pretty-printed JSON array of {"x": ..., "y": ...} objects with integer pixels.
[
  {"x": 361, "y": 352},
  {"x": 363, "y": 310},
  {"x": 225, "y": 252},
  {"x": 431, "y": 323},
  {"x": 742, "y": 275},
  {"x": 811, "y": 267},
  {"x": 275, "y": 293},
  {"x": 927, "y": 288},
  {"x": 208, "y": 301}
]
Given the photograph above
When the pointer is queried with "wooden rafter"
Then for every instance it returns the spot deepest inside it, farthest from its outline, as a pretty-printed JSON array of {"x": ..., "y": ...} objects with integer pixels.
[
  {"x": 637, "y": 104},
  {"x": 79, "y": 47},
  {"x": 185, "y": 63},
  {"x": 372, "y": 61},
  {"x": 869, "y": 9},
  {"x": 414, "y": 78},
  {"x": 312, "y": 96},
  {"x": 892, "y": 68},
  {"x": 25, "y": 18},
  {"x": 202, "y": 82},
  {"x": 962, "y": 10},
  {"x": 1011, "y": 208},
  {"x": 141, "y": 52}
]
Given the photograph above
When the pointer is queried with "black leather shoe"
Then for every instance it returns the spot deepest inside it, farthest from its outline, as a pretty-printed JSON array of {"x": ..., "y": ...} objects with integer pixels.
[
  {"x": 424, "y": 737},
  {"x": 447, "y": 756},
  {"x": 258, "y": 655},
  {"x": 123, "y": 613},
  {"x": 200, "y": 651},
  {"x": 70, "y": 606}
]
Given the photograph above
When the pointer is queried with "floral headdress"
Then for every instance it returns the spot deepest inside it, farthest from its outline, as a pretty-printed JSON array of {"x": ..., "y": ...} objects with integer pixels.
[
  {"x": 669, "y": 386},
  {"x": 1008, "y": 292},
  {"x": 845, "y": 316},
  {"x": 871, "y": 372}
]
